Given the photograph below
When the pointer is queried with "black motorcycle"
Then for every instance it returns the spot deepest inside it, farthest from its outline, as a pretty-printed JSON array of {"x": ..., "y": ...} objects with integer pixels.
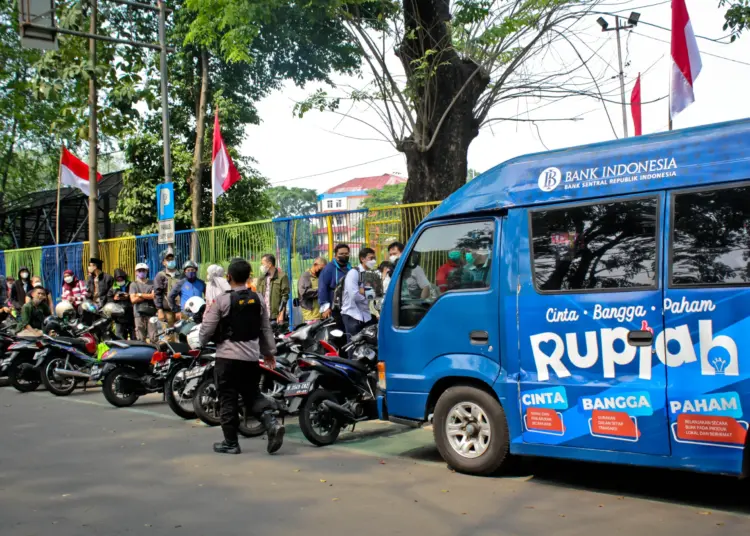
[
  {"x": 131, "y": 369},
  {"x": 335, "y": 392},
  {"x": 20, "y": 365},
  {"x": 66, "y": 362}
]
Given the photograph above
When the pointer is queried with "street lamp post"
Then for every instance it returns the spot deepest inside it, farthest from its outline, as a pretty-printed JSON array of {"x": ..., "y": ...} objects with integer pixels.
[{"x": 631, "y": 23}]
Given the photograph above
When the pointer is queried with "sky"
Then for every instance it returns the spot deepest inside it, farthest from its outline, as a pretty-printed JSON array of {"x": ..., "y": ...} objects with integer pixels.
[{"x": 311, "y": 152}]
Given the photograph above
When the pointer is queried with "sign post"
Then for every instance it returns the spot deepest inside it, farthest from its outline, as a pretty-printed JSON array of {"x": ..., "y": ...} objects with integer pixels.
[{"x": 165, "y": 212}]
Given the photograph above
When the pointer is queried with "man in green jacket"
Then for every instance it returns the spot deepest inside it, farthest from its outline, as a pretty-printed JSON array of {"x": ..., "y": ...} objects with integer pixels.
[
  {"x": 273, "y": 287},
  {"x": 34, "y": 312}
]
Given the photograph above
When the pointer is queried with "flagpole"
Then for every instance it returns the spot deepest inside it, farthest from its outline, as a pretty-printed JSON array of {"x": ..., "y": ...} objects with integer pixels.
[
  {"x": 213, "y": 201},
  {"x": 669, "y": 98},
  {"x": 57, "y": 212}
]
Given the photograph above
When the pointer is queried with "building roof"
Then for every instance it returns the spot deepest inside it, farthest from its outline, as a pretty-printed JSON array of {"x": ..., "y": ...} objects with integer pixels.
[
  {"x": 366, "y": 183},
  {"x": 682, "y": 158}
]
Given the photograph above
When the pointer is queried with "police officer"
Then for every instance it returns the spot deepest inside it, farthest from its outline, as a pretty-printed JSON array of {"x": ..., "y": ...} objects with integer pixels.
[{"x": 239, "y": 324}]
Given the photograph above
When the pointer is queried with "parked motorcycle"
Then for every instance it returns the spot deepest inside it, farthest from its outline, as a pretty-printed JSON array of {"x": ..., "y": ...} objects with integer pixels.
[
  {"x": 131, "y": 369},
  {"x": 334, "y": 392}
]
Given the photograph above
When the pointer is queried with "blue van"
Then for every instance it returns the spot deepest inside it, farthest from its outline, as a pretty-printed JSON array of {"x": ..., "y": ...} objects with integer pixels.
[{"x": 587, "y": 303}]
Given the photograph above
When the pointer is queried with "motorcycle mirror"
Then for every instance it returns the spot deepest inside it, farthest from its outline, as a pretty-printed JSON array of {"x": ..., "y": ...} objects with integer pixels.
[{"x": 337, "y": 333}]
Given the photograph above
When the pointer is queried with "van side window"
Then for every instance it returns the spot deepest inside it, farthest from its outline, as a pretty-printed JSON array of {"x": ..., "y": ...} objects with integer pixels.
[
  {"x": 710, "y": 240},
  {"x": 445, "y": 258},
  {"x": 600, "y": 246}
]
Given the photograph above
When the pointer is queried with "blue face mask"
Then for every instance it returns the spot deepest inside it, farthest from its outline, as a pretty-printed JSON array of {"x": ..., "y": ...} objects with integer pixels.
[
  {"x": 469, "y": 258},
  {"x": 191, "y": 276},
  {"x": 171, "y": 265}
]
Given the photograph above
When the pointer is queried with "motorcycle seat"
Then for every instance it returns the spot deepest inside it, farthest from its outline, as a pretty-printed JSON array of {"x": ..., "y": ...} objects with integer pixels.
[
  {"x": 349, "y": 362},
  {"x": 75, "y": 342}
]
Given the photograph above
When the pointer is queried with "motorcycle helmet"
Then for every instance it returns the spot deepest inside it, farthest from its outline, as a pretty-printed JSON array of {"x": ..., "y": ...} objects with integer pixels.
[
  {"x": 193, "y": 338},
  {"x": 88, "y": 306},
  {"x": 189, "y": 264},
  {"x": 113, "y": 310},
  {"x": 51, "y": 326},
  {"x": 194, "y": 305},
  {"x": 65, "y": 310}
]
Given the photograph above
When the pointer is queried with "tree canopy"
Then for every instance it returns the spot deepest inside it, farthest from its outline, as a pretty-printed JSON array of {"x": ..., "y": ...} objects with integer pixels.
[
  {"x": 388, "y": 195},
  {"x": 293, "y": 201},
  {"x": 737, "y": 16}
]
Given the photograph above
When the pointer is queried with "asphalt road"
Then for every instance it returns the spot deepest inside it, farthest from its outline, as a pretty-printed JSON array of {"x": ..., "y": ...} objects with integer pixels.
[{"x": 77, "y": 466}]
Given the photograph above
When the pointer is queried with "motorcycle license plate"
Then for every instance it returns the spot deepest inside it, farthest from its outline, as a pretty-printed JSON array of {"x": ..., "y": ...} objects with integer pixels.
[
  {"x": 197, "y": 371},
  {"x": 96, "y": 373},
  {"x": 298, "y": 389}
]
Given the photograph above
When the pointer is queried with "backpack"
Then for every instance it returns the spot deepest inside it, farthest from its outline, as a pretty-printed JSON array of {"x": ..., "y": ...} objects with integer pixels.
[{"x": 338, "y": 295}]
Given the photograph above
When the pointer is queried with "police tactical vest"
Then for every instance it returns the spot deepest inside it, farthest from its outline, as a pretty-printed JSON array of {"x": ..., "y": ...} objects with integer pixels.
[{"x": 242, "y": 324}]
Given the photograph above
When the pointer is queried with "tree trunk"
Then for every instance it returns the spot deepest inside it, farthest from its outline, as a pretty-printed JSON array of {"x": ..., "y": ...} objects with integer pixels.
[
  {"x": 200, "y": 133},
  {"x": 7, "y": 161},
  {"x": 436, "y": 151}
]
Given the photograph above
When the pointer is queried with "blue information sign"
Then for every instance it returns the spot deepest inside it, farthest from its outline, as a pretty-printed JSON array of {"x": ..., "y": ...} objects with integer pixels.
[{"x": 165, "y": 201}]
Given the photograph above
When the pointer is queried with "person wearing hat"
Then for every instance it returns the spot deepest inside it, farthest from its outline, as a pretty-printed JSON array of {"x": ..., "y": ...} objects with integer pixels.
[
  {"x": 99, "y": 283},
  {"x": 142, "y": 298},
  {"x": 187, "y": 287},
  {"x": 163, "y": 283},
  {"x": 73, "y": 289}
]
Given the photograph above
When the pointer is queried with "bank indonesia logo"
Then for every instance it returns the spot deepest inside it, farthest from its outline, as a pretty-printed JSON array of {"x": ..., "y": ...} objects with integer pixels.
[{"x": 549, "y": 179}]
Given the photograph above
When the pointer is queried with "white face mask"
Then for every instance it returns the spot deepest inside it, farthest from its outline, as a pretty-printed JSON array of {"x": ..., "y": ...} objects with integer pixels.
[
  {"x": 371, "y": 264},
  {"x": 263, "y": 269},
  {"x": 69, "y": 279},
  {"x": 394, "y": 258}
]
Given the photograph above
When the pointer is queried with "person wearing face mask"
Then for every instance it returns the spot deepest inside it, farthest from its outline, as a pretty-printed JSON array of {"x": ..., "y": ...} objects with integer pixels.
[
  {"x": 329, "y": 278},
  {"x": 216, "y": 283},
  {"x": 273, "y": 287},
  {"x": 120, "y": 294},
  {"x": 444, "y": 276},
  {"x": 33, "y": 313},
  {"x": 187, "y": 287},
  {"x": 307, "y": 290},
  {"x": 163, "y": 283},
  {"x": 9, "y": 284},
  {"x": 395, "y": 249},
  {"x": 142, "y": 298},
  {"x": 73, "y": 289},
  {"x": 99, "y": 283},
  {"x": 20, "y": 288},
  {"x": 355, "y": 308}
]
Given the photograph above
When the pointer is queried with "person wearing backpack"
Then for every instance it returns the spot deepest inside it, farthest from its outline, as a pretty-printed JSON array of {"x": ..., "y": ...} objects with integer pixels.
[{"x": 333, "y": 274}]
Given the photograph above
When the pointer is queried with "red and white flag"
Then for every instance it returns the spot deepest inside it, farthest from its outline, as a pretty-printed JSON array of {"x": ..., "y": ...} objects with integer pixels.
[
  {"x": 686, "y": 59},
  {"x": 223, "y": 172},
  {"x": 635, "y": 106},
  {"x": 73, "y": 172}
]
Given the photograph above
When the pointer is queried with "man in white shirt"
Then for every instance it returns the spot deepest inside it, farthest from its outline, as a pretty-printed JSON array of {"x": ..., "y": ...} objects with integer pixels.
[
  {"x": 355, "y": 309},
  {"x": 416, "y": 284}
]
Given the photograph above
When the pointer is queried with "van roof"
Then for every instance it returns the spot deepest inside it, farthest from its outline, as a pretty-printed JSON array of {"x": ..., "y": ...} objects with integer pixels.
[{"x": 702, "y": 155}]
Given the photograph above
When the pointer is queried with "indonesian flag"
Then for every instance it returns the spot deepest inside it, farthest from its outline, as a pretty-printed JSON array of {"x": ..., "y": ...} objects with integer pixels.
[
  {"x": 635, "y": 106},
  {"x": 223, "y": 172},
  {"x": 686, "y": 60},
  {"x": 73, "y": 172}
]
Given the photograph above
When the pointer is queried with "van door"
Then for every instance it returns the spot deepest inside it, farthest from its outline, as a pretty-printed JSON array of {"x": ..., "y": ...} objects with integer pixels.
[
  {"x": 441, "y": 319},
  {"x": 589, "y": 278},
  {"x": 707, "y": 315}
]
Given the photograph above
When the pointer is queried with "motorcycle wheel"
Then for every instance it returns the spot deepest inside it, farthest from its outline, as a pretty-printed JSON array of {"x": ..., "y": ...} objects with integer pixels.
[
  {"x": 206, "y": 403},
  {"x": 58, "y": 387},
  {"x": 182, "y": 407},
  {"x": 111, "y": 391},
  {"x": 317, "y": 423},
  {"x": 206, "y": 406},
  {"x": 19, "y": 383}
]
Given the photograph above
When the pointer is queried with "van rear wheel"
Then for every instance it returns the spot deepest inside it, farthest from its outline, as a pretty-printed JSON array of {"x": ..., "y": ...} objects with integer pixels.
[{"x": 471, "y": 430}]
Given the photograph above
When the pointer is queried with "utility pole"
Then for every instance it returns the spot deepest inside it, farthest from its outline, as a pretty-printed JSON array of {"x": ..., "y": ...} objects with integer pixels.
[
  {"x": 632, "y": 22},
  {"x": 93, "y": 186},
  {"x": 164, "y": 91}
]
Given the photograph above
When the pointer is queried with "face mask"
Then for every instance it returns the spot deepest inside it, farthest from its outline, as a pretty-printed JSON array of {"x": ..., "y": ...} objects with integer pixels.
[
  {"x": 171, "y": 265},
  {"x": 469, "y": 258},
  {"x": 191, "y": 276},
  {"x": 140, "y": 275},
  {"x": 343, "y": 261},
  {"x": 37, "y": 285},
  {"x": 371, "y": 264},
  {"x": 92, "y": 269},
  {"x": 263, "y": 269},
  {"x": 24, "y": 275},
  {"x": 121, "y": 281},
  {"x": 394, "y": 258},
  {"x": 69, "y": 279}
]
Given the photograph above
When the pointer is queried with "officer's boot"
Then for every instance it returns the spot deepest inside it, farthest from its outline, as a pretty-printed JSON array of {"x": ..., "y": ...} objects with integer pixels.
[
  {"x": 230, "y": 445},
  {"x": 274, "y": 430}
]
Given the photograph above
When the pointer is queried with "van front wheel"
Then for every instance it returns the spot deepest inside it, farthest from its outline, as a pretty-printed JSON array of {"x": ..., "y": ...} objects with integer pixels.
[{"x": 471, "y": 431}]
